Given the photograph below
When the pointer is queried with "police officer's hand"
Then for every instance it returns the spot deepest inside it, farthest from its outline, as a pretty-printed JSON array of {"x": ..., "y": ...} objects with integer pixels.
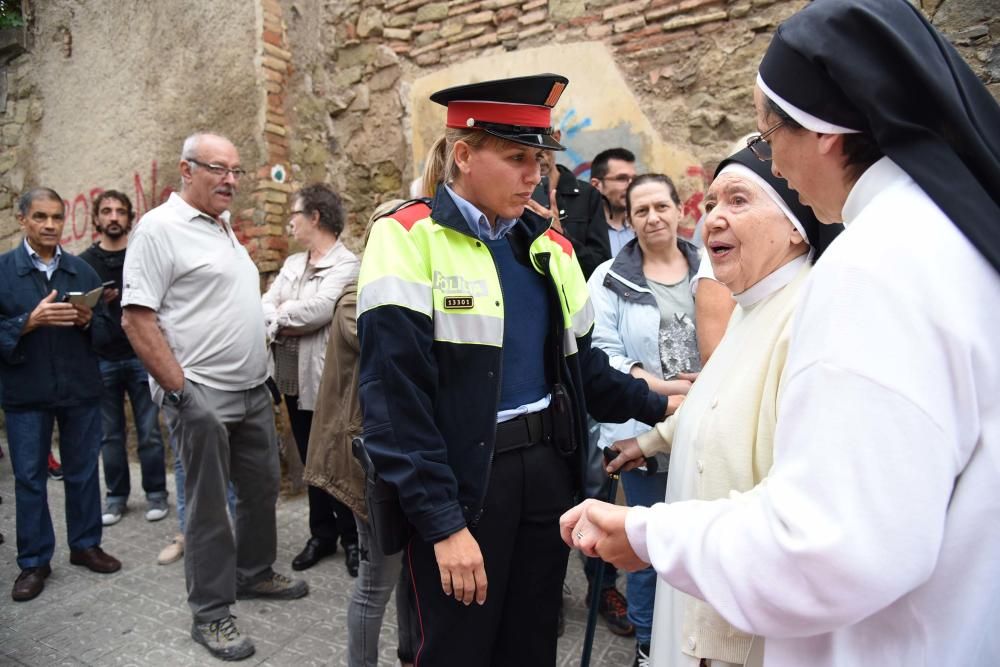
[
  {"x": 463, "y": 573},
  {"x": 49, "y": 313},
  {"x": 674, "y": 402}
]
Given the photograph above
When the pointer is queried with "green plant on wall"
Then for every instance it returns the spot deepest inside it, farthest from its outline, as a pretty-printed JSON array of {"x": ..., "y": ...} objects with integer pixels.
[{"x": 10, "y": 14}]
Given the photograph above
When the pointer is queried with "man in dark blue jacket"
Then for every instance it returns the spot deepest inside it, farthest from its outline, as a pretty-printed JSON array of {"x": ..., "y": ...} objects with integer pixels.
[{"x": 49, "y": 374}]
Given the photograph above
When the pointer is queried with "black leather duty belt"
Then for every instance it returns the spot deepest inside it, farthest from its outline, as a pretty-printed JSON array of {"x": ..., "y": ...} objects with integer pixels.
[{"x": 524, "y": 431}]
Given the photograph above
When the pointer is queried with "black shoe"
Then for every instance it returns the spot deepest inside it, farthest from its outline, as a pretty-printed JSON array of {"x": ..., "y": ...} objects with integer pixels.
[
  {"x": 641, "y": 655},
  {"x": 352, "y": 557},
  {"x": 614, "y": 610},
  {"x": 314, "y": 551}
]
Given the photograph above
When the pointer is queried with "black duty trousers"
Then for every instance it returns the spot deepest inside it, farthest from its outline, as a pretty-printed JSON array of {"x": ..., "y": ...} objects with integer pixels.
[{"x": 525, "y": 558}]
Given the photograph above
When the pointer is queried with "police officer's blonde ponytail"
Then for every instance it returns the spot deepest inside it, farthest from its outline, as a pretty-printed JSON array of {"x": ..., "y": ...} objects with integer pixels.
[{"x": 440, "y": 166}]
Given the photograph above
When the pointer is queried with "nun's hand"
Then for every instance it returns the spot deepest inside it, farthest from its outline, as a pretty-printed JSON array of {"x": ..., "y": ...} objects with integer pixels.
[
  {"x": 613, "y": 545},
  {"x": 598, "y": 530},
  {"x": 577, "y": 531}
]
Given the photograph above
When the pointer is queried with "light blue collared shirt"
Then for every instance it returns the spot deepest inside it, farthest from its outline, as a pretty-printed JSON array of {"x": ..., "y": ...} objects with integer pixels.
[
  {"x": 48, "y": 267},
  {"x": 619, "y": 237},
  {"x": 479, "y": 225}
]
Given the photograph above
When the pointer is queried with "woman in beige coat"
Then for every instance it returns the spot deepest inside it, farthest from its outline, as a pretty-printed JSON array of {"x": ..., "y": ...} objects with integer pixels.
[{"x": 297, "y": 309}]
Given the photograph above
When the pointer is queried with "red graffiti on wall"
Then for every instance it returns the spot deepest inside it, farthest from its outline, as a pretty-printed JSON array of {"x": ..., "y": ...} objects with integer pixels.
[{"x": 79, "y": 224}]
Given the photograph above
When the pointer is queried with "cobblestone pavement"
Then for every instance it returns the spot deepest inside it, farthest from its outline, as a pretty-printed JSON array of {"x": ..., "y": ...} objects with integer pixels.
[{"x": 139, "y": 616}]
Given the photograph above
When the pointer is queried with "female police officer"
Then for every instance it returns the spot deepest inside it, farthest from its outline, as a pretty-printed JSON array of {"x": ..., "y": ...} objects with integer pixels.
[{"x": 476, "y": 373}]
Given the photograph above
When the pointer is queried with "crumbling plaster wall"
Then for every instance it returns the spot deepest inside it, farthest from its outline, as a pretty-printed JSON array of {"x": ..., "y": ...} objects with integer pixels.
[
  {"x": 109, "y": 89},
  {"x": 689, "y": 63}
]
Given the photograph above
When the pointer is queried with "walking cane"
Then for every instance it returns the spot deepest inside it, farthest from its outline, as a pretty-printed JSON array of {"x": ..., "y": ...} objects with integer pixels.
[
  {"x": 596, "y": 587},
  {"x": 595, "y": 592}
]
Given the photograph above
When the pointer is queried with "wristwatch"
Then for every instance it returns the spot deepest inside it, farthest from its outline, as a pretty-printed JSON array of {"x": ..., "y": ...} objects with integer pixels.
[{"x": 173, "y": 398}]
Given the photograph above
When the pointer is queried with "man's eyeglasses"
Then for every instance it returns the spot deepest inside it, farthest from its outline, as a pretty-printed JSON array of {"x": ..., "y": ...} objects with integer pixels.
[
  {"x": 218, "y": 169},
  {"x": 624, "y": 179},
  {"x": 759, "y": 144}
]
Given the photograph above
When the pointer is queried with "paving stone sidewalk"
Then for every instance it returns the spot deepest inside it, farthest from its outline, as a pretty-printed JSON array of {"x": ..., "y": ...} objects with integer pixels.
[{"x": 139, "y": 616}]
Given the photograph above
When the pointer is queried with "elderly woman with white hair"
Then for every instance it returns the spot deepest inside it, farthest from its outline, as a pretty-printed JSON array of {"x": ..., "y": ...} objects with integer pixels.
[{"x": 762, "y": 243}]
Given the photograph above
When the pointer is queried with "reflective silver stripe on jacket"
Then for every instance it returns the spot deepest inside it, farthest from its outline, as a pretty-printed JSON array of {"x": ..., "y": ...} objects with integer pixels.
[
  {"x": 569, "y": 343},
  {"x": 583, "y": 319},
  {"x": 468, "y": 328},
  {"x": 393, "y": 291}
]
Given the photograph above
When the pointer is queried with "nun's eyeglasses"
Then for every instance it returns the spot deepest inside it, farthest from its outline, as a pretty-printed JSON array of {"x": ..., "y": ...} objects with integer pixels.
[{"x": 760, "y": 146}]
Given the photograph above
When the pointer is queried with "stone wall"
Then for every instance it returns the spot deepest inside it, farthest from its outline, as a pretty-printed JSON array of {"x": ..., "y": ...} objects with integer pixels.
[
  {"x": 688, "y": 65},
  {"x": 336, "y": 91}
]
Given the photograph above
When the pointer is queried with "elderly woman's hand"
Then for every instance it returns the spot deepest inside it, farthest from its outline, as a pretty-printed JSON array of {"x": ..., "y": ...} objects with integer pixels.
[
  {"x": 598, "y": 530},
  {"x": 629, "y": 456}
]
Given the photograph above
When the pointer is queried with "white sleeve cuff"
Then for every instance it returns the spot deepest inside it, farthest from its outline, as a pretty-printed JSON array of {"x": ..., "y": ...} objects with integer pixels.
[{"x": 635, "y": 529}]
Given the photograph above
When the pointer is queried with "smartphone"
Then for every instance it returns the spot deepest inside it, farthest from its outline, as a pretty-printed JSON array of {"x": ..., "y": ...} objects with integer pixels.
[{"x": 108, "y": 284}]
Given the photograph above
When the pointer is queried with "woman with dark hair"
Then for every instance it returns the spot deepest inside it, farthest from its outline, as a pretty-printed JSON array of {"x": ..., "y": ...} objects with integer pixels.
[
  {"x": 644, "y": 321},
  {"x": 762, "y": 243},
  {"x": 298, "y": 308}
]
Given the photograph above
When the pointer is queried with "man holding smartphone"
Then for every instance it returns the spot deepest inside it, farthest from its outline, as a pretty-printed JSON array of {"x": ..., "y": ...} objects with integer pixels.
[
  {"x": 122, "y": 373},
  {"x": 49, "y": 374}
]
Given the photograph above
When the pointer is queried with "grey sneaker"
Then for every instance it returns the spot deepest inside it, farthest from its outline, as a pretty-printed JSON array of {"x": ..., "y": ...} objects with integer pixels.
[
  {"x": 272, "y": 585},
  {"x": 223, "y": 639},
  {"x": 156, "y": 509},
  {"x": 112, "y": 514}
]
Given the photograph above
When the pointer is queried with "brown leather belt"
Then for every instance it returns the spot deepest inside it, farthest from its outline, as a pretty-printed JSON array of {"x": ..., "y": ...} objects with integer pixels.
[{"x": 524, "y": 431}]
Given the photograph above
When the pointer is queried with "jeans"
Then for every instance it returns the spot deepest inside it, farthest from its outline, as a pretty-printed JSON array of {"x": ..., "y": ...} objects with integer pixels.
[
  {"x": 121, "y": 377},
  {"x": 377, "y": 576},
  {"x": 29, "y": 438},
  {"x": 642, "y": 490},
  {"x": 180, "y": 478}
]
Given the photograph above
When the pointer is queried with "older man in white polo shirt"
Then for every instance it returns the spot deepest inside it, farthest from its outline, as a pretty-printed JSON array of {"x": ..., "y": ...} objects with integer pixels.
[{"x": 192, "y": 312}]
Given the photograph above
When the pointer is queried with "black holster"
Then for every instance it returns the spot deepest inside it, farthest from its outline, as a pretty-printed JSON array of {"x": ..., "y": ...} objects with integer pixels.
[
  {"x": 563, "y": 428},
  {"x": 390, "y": 529}
]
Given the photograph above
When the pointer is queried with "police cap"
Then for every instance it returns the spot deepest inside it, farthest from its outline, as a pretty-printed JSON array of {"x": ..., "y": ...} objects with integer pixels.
[{"x": 517, "y": 109}]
